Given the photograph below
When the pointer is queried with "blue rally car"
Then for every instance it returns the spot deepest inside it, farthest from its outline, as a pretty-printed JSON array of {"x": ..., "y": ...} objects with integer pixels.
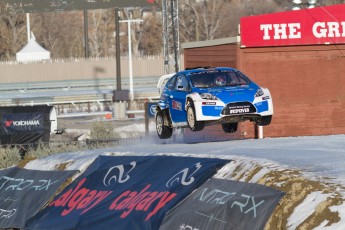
[{"x": 203, "y": 96}]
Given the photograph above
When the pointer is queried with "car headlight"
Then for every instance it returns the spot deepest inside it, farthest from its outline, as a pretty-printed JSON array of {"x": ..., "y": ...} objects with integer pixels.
[
  {"x": 259, "y": 93},
  {"x": 208, "y": 96}
]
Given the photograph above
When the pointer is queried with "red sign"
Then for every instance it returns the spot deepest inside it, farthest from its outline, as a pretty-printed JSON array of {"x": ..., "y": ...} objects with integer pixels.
[{"x": 321, "y": 25}]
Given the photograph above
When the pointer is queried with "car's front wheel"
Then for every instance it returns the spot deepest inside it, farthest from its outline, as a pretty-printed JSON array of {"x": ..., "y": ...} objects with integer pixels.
[
  {"x": 163, "y": 129},
  {"x": 264, "y": 121},
  {"x": 193, "y": 124},
  {"x": 230, "y": 127}
]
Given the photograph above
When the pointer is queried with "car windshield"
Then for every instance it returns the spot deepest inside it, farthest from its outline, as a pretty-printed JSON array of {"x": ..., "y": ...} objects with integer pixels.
[{"x": 218, "y": 78}]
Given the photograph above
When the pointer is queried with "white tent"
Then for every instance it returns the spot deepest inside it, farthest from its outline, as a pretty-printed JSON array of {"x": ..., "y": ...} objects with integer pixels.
[{"x": 32, "y": 52}]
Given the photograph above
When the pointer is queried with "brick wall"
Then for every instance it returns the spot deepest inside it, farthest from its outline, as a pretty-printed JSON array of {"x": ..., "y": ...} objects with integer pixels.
[
  {"x": 307, "y": 84},
  {"x": 219, "y": 55}
]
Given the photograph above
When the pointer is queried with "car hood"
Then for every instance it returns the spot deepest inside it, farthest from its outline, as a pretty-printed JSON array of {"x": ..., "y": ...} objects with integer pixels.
[{"x": 233, "y": 93}]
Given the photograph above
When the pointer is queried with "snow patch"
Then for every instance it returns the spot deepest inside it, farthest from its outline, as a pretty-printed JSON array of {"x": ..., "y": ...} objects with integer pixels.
[{"x": 305, "y": 209}]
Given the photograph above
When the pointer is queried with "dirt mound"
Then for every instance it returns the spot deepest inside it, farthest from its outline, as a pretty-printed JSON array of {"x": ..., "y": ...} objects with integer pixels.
[{"x": 307, "y": 203}]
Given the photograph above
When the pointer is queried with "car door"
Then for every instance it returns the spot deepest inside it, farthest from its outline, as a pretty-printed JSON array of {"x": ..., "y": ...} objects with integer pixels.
[{"x": 178, "y": 99}]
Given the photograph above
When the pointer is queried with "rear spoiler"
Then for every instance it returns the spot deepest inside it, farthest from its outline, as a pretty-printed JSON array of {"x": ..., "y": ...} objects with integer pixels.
[{"x": 163, "y": 79}]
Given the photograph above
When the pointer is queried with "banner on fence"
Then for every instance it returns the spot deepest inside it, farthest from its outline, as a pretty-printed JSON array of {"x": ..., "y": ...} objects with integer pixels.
[
  {"x": 224, "y": 204},
  {"x": 126, "y": 192},
  {"x": 25, "y": 124},
  {"x": 24, "y": 192},
  {"x": 22, "y": 122},
  {"x": 151, "y": 109}
]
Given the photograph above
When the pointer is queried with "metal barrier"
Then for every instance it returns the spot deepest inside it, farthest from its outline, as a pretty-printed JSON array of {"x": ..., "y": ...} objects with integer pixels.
[
  {"x": 44, "y": 149},
  {"x": 72, "y": 92},
  {"x": 105, "y": 83}
]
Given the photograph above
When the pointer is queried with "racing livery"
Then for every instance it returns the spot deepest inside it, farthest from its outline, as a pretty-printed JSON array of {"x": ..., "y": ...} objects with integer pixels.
[{"x": 203, "y": 96}]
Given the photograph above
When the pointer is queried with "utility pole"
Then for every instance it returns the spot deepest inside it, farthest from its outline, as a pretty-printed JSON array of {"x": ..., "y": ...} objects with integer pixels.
[
  {"x": 86, "y": 34},
  {"x": 171, "y": 49},
  {"x": 118, "y": 55}
]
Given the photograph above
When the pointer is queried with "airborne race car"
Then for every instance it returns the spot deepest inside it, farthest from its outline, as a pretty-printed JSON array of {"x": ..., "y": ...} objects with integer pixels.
[{"x": 202, "y": 96}]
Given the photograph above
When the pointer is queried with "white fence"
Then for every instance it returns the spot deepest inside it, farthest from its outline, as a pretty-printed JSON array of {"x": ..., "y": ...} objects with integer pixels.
[{"x": 80, "y": 69}]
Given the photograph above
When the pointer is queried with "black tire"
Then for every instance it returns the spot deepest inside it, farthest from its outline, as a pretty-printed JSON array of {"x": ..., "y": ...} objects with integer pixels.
[
  {"x": 230, "y": 127},
  {"x": 193, "y": 124},
  {"x": 264, "y": 121},
  {"x": 163, "y": 129}
]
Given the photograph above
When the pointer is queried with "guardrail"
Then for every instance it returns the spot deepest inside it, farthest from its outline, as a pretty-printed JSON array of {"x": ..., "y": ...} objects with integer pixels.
[
  {"x": 73, "y": 100},
  {"x": 73, "y": 92},
  {"x": 105, "y": 83}
]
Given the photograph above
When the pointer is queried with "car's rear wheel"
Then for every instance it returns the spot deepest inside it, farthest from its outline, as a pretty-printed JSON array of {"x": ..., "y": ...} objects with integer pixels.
[
  {"x": 230, "y": 127},
  {"x": 193, "y": 124},
  {"x": 264, "y": 121},
  {"x": 163, "y": 129}
]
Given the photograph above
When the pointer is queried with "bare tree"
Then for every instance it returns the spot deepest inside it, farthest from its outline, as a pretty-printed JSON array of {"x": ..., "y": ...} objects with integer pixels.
[
  {"x": 101, "y": 33},
  {"x": 61, "y": 33},
  {"x": 151, "y": 42},
  {"x": 211, "y": 19},
  {"x": 136, "y": 30},
  {"x": 12, "y": 34},
  {"x": 95, "y": 37},
  {"x": 200, "y": 20}
]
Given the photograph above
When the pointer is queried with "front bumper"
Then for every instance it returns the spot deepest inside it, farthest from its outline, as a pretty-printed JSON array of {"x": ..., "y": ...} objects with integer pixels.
[
  {"x": 238, "y": 108},
  {"x": 232, "y": 111}
]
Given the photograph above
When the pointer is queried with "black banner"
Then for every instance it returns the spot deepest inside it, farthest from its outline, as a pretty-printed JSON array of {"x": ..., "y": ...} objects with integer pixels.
[
  {"x": 24, "y": 192},
  {"x": 222, "y": 205},
  {"x": 22, "y": 123},
  {"x": 25, "y": 124}
]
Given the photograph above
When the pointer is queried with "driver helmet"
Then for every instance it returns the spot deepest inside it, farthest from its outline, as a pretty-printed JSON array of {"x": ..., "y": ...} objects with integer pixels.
[{"x": 220, "y": 80}]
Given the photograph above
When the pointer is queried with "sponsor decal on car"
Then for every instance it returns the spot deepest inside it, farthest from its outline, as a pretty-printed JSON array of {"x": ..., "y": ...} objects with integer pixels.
[
  {"x": 177, "y": 105},
  {"x": 239, "y": 109},
  {"x": 208, "y": 103},
  {"x": 235, "y": 111},
  {"x": 237, "y": 93}
]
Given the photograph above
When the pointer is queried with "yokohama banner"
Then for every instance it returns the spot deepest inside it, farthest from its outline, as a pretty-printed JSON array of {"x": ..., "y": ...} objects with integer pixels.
[
  {"x": 24, "y": 192},
  {"x": 25, "y": 124},
  {"x": 22, "y": 123},
  {"x": 126, "y": 192},
  {"x": 222, "y": 205},
  {"x": 321, "y": 25}
]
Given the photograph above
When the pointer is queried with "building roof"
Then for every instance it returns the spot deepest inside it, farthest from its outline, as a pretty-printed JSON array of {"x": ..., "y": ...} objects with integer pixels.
[{"x": 214, "y": 42}]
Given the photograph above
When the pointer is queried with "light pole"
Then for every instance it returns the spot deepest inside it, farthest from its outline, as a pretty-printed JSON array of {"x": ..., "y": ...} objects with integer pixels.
[
  {"x": 297, "y": 4},
  {"x": 131, "y": 93}
]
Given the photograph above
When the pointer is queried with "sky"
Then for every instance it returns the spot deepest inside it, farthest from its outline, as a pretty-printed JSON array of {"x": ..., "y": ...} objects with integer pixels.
[{"x": 319, "y": 159}]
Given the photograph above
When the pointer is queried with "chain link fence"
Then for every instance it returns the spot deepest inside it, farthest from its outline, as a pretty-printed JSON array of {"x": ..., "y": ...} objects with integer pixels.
[{"x": 13, "y": 154}]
